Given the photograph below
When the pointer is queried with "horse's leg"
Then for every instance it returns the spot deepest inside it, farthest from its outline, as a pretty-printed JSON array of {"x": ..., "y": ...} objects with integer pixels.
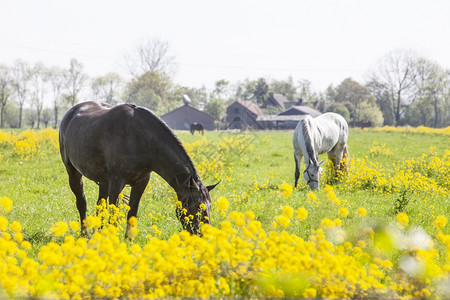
[
  {"x": 116, "y": 185},
  {"x": 76, "y": 185},
  {"x": 135, "y": 196},
  {"x": 297, "y": 159},
  {"x": 102, "y": 192}
]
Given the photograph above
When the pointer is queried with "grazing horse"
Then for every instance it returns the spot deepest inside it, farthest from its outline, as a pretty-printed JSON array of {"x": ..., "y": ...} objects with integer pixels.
[
  {"x": 119, "y": 145},
  {"x": 326, "y": 133},
  {"x": 196, "y": 127}
]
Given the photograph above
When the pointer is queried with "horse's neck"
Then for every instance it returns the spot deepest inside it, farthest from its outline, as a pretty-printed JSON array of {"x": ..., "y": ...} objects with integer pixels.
[
  {"x": 309, "y": 141},
  {"x": 173, "y": 164}
]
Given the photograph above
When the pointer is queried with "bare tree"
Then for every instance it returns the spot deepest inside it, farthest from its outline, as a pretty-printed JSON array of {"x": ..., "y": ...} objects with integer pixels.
[
  {"x": 21, "y": 79},
  {"x": 107, "y": 88},
  {"x": 150, "y": 55},
  {"x": 75, "y": 79},
  {"x": 396, "y": 77},
  {"x": 5, "y": 90},
  {"x": 433, "y": 82},
  {"x": 56, "y": 76},
  {"x": 38, "y": 89}
]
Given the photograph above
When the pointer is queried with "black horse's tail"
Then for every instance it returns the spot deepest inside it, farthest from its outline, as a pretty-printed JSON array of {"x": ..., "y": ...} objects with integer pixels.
[{"x": 297, "y": 172}]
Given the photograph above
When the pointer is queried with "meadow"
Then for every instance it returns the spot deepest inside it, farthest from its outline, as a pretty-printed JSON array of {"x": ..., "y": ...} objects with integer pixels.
[{"x": 379, "y": 231}]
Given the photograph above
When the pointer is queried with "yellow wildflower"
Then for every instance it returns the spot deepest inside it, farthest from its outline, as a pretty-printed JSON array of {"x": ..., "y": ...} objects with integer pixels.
[
  {"x": 402, "y": 219},
  {"x": 343, "y": 212},
  {"x": 362, "y": 211},
  {"x": 440, "y": 222},
  {"x": 287, "y": 211},
  {"x": 302, "y": 213},
  {"x": 311, "y": 196},
  {"x": 60, "y": 228},
  {"x": 286, "y": 189},
  {"x": 222, "y": 203},
  {"x": 15, "y": 226},
  {"x": 5, "y": 204}
]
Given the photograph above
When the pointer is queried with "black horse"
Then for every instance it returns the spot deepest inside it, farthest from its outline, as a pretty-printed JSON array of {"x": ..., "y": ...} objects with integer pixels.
[
  {"x": 196, "y": 127},
  {"x": 119, "y": 145}
]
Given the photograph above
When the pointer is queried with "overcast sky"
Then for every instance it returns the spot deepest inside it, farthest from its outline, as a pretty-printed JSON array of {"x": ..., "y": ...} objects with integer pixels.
[{"x": 322, "y": 41}]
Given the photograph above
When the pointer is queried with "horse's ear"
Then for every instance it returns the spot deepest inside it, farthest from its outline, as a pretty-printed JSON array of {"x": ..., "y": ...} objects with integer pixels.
[
  {"x": 321, "y": 163},
  {"x": 210, "y": 187}
]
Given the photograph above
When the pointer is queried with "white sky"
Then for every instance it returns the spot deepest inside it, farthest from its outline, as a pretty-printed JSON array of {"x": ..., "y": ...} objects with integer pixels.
[{"x": 322, "y": 41}]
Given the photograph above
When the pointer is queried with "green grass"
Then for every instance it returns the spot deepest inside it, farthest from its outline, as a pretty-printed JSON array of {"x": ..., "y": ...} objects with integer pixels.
[{"x": 41, "y": 194}]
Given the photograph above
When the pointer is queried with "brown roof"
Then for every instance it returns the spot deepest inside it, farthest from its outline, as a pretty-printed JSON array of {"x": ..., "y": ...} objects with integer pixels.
[
  {"x": 279, "y": 99},
  {"x": 301, "y": 110},
  {"x": 251, "y": 106}
]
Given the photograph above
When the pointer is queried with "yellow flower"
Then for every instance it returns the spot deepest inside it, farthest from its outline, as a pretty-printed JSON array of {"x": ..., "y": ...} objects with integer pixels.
[
  {"x": 75, "y": 226},
  {"x": 222, "y": 203},
  {"x": 440, "y": 222},
  {"x": 343, "y": 212},
  {"x": 15, "y": 226},
  {"x": 402, "y": 219},
  {"x": 286, "y": 189},
  {"x": 132, "y": 221},
  {"x": 311, "y": 196},
  {"x": 60, "y": 228},
  {"x": 5, "y": 204},
  {"x": 362, "y": 211},
  {"x": 25, "y": 245},
  {"x": 3, "y": 223},
  {"x": 302, "y": 213},
  {"x": 287, "y": 211}
]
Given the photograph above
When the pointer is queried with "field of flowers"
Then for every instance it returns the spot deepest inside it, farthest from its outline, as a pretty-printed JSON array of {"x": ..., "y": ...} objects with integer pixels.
[{"x": 379, "y": 231}]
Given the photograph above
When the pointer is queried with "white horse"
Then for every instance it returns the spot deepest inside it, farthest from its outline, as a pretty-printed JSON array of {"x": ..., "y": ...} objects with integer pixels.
[{"x": 326, "y": 133}]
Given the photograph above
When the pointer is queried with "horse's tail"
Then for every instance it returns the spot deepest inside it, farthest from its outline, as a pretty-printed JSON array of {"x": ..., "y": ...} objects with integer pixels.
[{"x": 297, "y": 171}]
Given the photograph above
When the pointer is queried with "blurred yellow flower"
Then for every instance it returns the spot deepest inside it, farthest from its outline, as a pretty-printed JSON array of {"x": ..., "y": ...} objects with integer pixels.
[
  {"x": 222, "y": 203},
  {"x": 311, "y": 196},
  {"x": 6, "y": 204},
  {"x": 440, "y": 222},
  {"x": 60, "y": 228},
  {"x": 402, "y": 219},
  {"x": 287, "y": 211},
  {"x": 286, "y": 189},
  {"x": 343, "y": 212},
  {"x": 302, "y": 213},
  {"x": 75, "y": 226},
  {"x": 3, "y": 223},
  {"x": 362, "y": 211},
  {"x": 15, "y": 226}
]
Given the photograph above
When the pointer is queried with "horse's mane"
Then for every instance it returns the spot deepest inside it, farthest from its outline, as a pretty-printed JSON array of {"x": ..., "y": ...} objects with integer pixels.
[
  {"x": 306, "y": 131},
  {"x": 163, "y": 125}
]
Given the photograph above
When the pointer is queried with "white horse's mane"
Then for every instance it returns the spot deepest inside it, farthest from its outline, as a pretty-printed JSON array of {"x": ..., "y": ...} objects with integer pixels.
[{"x": 306, "y": 142}]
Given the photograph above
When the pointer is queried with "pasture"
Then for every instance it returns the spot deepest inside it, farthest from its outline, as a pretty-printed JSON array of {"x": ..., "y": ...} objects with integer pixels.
[{"x": 380, "y": 231}]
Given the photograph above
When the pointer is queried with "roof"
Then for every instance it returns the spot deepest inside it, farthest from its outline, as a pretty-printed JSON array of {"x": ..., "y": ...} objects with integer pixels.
[
  {"x": 251, "y": 106},
  {"x": 188, "y": 107},
  {"x": 279, "y": 118},
  {"x": 300, "y": 110},
  {"x": 278, "y": 99}
]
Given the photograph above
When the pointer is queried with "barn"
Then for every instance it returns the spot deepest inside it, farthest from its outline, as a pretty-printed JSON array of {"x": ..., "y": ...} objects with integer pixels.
[
  {"x": 242, "y": 115},
  {"x": 182, "y": 117}
]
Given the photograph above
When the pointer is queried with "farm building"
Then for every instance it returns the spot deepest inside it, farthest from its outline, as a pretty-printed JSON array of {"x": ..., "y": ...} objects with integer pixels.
[
  {"x": 182, "y": 117},
  {"x": 242, "y": 115},
  {"x": 287, "y": 119}
]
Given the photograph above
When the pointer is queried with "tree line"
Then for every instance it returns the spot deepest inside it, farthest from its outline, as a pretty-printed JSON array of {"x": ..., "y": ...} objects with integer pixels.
[{"x": 404, "y": 89}]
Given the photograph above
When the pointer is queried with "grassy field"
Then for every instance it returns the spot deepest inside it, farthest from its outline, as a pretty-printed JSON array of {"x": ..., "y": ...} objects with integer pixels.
[{"x": 392, "y": 173}]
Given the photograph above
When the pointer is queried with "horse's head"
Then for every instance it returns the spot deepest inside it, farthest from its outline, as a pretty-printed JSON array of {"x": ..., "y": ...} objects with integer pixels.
[
  {"x": 312, "y": 174},
  {"x": 196, "y": 206}
]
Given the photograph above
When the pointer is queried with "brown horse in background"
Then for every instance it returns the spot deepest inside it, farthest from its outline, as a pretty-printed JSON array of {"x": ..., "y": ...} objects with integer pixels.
[
  {"x": 119, "y": 145},
  {"x": 197, "y": 127}
]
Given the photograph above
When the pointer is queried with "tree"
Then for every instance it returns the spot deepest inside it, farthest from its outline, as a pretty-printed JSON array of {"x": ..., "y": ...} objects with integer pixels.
[
  {"x": 433, "y": 83},
  {"x": 221, "y": 89},
  {"x": 75, "y": 79},
  {"x": 395, "y": 81},
  {"x": 5, "y": 91},
  {"x": 286, "y": 88},
  {"x": 38, "y": 86},
  {"x": 107, "y": 88},
  {"x": 352, "y": 94},
  {"x": 151, "y": 55},
  {"x": 216, "y": 108},
  {"x": 261, "y": 92},
  {"x": 21, "y": 80},
  {"x": 151, "y": 90},
  {"x": 56, "y": 77}
]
